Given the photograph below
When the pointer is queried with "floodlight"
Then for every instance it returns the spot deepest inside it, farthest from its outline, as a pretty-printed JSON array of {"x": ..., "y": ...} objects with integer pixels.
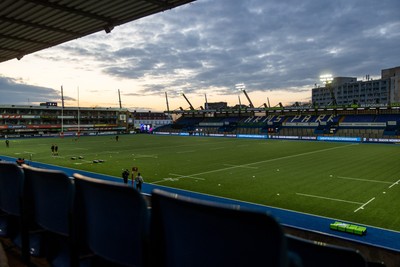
[
  {"x": 326, "y": 78},
  {"x": 240, "y": 86}
]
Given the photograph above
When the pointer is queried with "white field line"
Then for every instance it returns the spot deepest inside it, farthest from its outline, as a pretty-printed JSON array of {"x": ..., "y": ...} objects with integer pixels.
[
  {"x": 328, "y": 198},
  {"x": 365, "y": 204},
  {"x": 145, "y": 156},
  {"x": 186, "y": 176},
  {"x": 217, "y": 148},
  {"x": 396, "y": 183},
  {"x": 29, "y": 152},
  {"x": 110, "y": 152},
  {"x": 363, "y": 180},
  {"x": 187, "y": 151},
  {"x": 240, "y": 166}
]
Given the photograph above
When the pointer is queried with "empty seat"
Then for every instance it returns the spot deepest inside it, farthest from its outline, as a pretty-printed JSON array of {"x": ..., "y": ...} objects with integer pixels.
[
  {"x": 317, "y": 254},
  {"x": 48, "y": 196},
  {"x": 189, "y": 232},
  {"x": 111, "y": 219},
  {"x": 11, "y": 224}
]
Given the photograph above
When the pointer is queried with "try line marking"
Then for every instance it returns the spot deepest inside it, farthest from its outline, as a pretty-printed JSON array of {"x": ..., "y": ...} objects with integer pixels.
[
  {"x": 340, "y": 200},
  {"x": 240, "y": 166},
  {"x": 186, "y": 176},
  {"x": 365, "y": 204},
  {"x": 328, "y": 198},
  {"x": 363, "y": 180},
  {"x": 395, "y": 183}
]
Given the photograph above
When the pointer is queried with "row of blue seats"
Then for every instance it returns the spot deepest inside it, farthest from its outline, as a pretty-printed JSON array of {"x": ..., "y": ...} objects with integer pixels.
[{"x": 81, "y": 221}]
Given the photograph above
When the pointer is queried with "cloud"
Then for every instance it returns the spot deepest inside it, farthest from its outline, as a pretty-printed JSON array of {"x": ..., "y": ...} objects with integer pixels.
[
  {"x": 209, "y": 46},
  {"x": 17, "y": 92}
]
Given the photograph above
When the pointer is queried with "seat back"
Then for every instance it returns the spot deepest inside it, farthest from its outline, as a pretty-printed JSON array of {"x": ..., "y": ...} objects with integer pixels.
[
  {"x": 11, "y": 222},
  {"x": 111, "y": 219},
  {"x": 316, "y": 254},
  {"x": 188, "y": 232},
  {"x": 11, "y": 183},
  {"x": 48, "y": 194}
]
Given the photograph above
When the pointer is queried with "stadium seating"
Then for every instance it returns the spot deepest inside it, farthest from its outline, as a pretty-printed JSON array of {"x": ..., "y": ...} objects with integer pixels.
[
  {"x": 111, "y": 219},
  {"x": 48, "y": 201},
  {"x": 11, "y": 224},
  {"x": 188, "y": 232},
  {"x": 317, "y": 254}
]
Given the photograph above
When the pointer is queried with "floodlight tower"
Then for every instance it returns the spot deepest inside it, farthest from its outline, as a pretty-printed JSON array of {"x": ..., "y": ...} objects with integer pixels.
[
  {"x": 327, "y": 79},
  {"x": 187, "y": 100},
  {"x": 242, "y": 87}
]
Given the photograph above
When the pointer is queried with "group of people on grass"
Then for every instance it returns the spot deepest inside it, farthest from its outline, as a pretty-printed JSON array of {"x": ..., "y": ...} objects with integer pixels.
[
  {"x": 137, "y": 182},
  {"x": 54, "y": 150}
]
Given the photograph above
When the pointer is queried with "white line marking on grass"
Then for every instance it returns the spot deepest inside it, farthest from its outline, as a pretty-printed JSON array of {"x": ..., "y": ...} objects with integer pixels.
[
  {"x": 29, "y": 152},
  {"x": 217, "y": 148},
  {"x": 187, "y": 151},
  {"x": 186, "y": 176},
  {"x": 328, "y": 198},
  {"x": 145, "y": 156},
  {"x": 395, "y": 183},
  {"x": 166, "y": 180},
  {"x": 365, "y": 204},
  {"x": 364, "y": 180},
  {"x": 240, "y": 166}
]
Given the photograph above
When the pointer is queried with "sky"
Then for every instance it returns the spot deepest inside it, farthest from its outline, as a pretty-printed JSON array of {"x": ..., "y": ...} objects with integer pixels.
[{"x": 277, "y": 49}]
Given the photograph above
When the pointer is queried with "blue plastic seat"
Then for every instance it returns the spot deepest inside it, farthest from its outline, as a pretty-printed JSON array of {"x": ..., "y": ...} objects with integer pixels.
[
  {"x": 189, "y": 232},
  {"x": 111, "y": 219},
  {"x": 316, "y": 254},
  {"x": 11, "y": 223},
  {"x": 48, "y": 196}
]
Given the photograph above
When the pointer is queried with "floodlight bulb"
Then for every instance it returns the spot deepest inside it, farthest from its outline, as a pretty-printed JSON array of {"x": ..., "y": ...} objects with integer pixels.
[{"x": 326, "y": 78}]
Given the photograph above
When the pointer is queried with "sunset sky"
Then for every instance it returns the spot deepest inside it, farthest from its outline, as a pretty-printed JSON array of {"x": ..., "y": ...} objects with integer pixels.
[{"x": 278, "y": 49}]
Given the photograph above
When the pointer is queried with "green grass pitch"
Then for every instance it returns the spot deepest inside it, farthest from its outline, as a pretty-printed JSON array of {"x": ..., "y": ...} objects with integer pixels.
[{"x": 346, "y": 181}]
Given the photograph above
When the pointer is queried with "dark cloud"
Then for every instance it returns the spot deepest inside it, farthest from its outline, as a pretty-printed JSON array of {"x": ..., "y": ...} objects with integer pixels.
[
  {"x": 18, "y": 93},
  {"x": 268, "y": 45}
]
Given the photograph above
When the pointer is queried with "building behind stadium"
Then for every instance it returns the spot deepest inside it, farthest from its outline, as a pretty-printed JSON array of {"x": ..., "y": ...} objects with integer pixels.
[{"x": 348, "y": 90}]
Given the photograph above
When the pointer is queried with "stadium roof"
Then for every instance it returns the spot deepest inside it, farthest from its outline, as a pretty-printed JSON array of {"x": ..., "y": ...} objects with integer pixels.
[{"x": 27, "y": 26}]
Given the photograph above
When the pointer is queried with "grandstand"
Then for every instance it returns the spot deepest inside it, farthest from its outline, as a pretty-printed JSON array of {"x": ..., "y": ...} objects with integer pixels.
[
  {"x": 53, "y": 120},
  {"x": 371, "y": 124}
]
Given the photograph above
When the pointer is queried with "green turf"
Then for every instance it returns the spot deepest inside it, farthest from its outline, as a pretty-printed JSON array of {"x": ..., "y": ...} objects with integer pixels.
[{"x": 353, "y": 182}]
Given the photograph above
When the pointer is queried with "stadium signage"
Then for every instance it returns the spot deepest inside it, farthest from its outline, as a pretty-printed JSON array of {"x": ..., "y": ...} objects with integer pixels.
[
  {"x": 11, "y": 116},
  {"x": 252, "y": 136},
  {"x": 284, "y": 137},
  {"x": 382, "y": 140},
  {"x": 302, "y": 124},
  {"x": 218, "y": 135},
  {"x": 338, "y": 138},
  {"x": 363, "y": 124}
]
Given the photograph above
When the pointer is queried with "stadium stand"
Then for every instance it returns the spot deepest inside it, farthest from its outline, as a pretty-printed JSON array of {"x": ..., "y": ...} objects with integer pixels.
[
  {"x": 110, "y": 219},
  {"x": 182, "y": 231},
  {"x": 11, "y": 224},
  {"x": 188, "y": 232},
  {"x": 316, "y": 254},
  {"x": 47, "y": 200},
  {"x": 312, "y": 124}
]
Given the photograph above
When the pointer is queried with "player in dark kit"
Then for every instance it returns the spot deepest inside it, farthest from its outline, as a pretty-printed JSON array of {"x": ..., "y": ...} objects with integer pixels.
[{"x": 125, "y": 176}]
